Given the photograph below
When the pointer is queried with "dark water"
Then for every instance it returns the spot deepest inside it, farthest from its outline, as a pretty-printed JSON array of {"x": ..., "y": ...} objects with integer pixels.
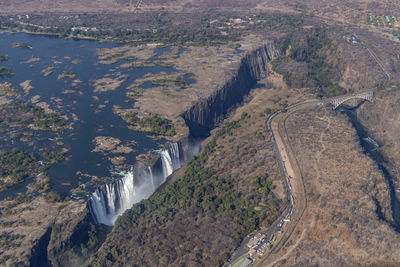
[
  {"x": 189, "y": 78},
  {"x": 79, "y": 57},
  {"x": 370, "y": 147}
]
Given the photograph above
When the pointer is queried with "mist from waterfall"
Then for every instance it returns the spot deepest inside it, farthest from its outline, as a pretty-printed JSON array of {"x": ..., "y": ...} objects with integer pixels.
[{"x": 106, "y": 205}]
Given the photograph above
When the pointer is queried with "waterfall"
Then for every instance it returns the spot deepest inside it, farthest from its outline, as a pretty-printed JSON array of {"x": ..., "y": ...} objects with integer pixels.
[
  {"x": 106, "y": 205},
  {"x": 98, "y": 207},
  {"x": 152, "y": 178},
  {"x": 174, "y": 152},
  {"x": 166, "y": 163},
  {"x": 170, "y": 159}
]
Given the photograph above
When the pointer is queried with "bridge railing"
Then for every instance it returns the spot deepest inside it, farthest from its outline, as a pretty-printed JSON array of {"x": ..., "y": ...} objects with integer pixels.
[{"x": 337, "y": 101}]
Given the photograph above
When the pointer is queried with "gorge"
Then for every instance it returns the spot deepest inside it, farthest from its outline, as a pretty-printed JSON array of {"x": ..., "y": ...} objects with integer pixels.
[
  {"x": 198, "y": 133},
  {"x": 141, "y": 181}
]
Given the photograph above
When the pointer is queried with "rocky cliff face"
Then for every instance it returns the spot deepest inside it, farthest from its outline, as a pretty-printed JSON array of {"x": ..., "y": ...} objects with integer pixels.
[
  {"x": 65, "y": 237},
  {"x": 66, "y": 234},
  {"x": 39, "y": 255},
  {"x": 381, "y": 118},
  {"x": 63, "y": 240},
  {"x": 347, "y": 219},
  {"x": 207, "y": 114}
]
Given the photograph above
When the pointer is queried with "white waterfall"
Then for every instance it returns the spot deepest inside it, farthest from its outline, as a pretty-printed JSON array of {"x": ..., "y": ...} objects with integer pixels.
[
  {"x": 110, "y": 197},
  {"x": 170, "y": 159},
  {"x": 166, "y": 163},
  {"x": 152, "y": 178},
  {"x": 98, "y": 207},
  {"x": 174, "y": 152},
  {"x": 127, "y": 194},
  {"x": 121, "y": 195},
  {"x": 118, "y": 197}
]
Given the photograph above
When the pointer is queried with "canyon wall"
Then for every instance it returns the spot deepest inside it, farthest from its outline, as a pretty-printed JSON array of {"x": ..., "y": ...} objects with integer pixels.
[
  {"x": 205, "y": 115},
  {"x": 202, "y": 117}
]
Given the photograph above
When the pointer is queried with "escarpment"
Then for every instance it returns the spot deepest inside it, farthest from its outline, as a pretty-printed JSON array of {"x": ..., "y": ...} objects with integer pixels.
[
  {"x": 110, "y": 201},
  {"x": 207, "y": 114}
]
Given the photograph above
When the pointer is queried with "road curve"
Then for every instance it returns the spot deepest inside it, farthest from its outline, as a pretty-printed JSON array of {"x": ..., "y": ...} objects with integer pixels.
[
  {"x": 288, "y": 161},
  {"x": 373, "y": 57},
  {"x": 289, "y": 166}
]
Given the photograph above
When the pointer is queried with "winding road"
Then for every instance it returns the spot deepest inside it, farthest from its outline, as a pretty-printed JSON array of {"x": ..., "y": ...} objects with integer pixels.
[
  {"x": 276, "y": 126},
  {"x": 292, "y": 176},
  {"x": 295, "y": 189}
]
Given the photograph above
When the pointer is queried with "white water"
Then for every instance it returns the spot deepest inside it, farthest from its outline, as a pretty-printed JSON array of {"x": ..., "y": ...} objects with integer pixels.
[
  {"x": 152, "y": 178},
  {"x": 372, "y": 142},
  {"x": 174, "y": 151},
  {"x": 166, "y": 163},
  {"x": 121, "y": 195}
]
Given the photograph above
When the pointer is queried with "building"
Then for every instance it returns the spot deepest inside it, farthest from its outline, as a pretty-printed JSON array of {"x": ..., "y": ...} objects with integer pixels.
[
  {"x": 261, "y": 251},
  {"x": 259, "y": 236},
  {"x": 252, "y": 252},
  {"x": 235, "y": 20},
  {"x": 252, "y": 242},
  {"x": 242, "y": 262}
]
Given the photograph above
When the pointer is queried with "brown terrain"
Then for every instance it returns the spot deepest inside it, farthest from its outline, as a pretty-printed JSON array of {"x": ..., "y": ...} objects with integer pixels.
[
  {"x": 209, "y": 69},
  {"x": 344, "y": 192},
  {"x": 345, "y": 216},
  {"x": 27, "y": 225},
  {"x": 191, "y": 235},
  {"x": 381, "y": 119}
]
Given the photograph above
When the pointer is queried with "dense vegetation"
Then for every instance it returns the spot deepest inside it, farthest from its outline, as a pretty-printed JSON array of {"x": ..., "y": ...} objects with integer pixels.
[
  {"x": 24, "y": 115},
  {"x": 3, "y": 57},
  {"x": 22, "y": 44},
  {"x": 306, "y": 63},
  {"x": 67, "y": 74},
  {"x": 153, "y": 124},
  {"x": 16, "y": 167},
  {"x": 200, "y": 198},
  {"x": 204, "y": 29},
  {"x": 6, "y": 72},
  {"x": 202, "y": 188},
  {"x": 53, "y": 157},
  {"x": 178, "y": 81}
]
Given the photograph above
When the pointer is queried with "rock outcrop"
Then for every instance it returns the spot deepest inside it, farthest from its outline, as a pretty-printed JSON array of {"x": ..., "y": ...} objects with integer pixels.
[
  {"x": 65, "y": 237},
  {"x": 207, "y": 114}
]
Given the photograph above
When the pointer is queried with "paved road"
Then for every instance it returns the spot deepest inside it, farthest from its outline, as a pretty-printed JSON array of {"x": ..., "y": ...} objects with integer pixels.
[
  {"x": 374, "y": 58},
  {"x": 282, "y": 162},
  {"x": 278, "y": 153}
]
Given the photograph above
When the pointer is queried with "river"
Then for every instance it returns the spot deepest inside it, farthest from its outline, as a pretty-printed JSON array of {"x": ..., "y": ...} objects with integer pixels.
[
  {"x": 371, "y": 148},
  {"x": 90, "y": 113}
]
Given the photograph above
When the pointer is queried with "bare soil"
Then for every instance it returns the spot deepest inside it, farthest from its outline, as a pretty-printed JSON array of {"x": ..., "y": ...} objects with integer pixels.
[
  {"x": 108, "y": 144},
  {"x": 381, "y": 120},
  {"x": 344, "y": 189},
  {"x": 24, "y": 223}
]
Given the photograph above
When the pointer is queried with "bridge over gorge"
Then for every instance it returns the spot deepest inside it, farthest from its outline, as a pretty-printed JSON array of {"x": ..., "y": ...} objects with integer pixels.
[{"x": 337, "y": 101}]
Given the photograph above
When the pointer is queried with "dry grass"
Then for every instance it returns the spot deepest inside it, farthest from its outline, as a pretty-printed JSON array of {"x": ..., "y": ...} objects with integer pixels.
[
  {"x": 26, "y": 222},
  {"x": 343, "y": 186},
  {"x": 26, "y": 86},
  {"x": 108, "y": 84},
  {"x": 127, "y": 52},
  {"x": 382, "y": 119},
  {"x": 108, "y": 144}
]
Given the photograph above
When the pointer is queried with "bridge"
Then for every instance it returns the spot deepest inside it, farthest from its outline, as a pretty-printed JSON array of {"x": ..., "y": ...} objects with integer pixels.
[{"x": 337, "y": 101}]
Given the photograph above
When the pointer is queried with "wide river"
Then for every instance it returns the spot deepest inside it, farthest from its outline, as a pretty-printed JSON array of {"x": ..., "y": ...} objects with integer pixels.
[{"x": 91, "y": 113}]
